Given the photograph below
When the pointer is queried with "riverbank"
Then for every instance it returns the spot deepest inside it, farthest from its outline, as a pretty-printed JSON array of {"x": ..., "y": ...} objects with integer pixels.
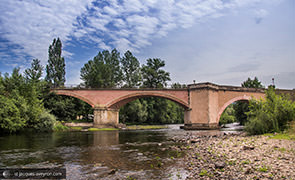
[
  {"x": 236, "y": 156},
  {"x": 129, "y": 127}
]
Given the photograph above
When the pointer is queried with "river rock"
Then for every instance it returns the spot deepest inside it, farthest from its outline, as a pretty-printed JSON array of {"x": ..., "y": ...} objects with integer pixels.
[
  {"x": 248, "y": 147},
  {"x": 219, "y": 165},
  {"x": 195, "y": 140}
]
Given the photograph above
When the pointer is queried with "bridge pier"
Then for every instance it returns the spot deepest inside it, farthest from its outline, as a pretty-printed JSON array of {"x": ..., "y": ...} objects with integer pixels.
[
  {"x": 203, "y": 108},
  {"x": 105, "y": 117}
]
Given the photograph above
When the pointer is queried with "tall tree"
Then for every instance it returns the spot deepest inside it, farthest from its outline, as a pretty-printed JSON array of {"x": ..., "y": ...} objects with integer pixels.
[
  {"x": 131, "y": 70},
  {"x": 152, "y": 74},
  {"x": 103, "y": 71},
  {"x": 55, "y": 68}
]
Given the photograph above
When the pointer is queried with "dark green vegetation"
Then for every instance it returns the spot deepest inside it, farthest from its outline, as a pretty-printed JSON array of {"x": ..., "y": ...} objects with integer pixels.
[
  {"x": 55, "y": 69},
  {"x": 21, "y": 105},
  {"x": 274, "y": 114}
]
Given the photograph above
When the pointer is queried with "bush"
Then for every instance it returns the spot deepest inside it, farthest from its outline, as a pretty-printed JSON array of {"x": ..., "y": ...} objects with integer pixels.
[
  {"x": 58, "y": 126},
  {"x": 270, "y": 115},
  {"x": 46, "y": 122}
]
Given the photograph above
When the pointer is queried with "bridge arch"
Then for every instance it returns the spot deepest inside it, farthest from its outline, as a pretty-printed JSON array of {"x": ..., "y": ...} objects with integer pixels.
[
  {"x": 73, "y": 94},
  {"x": 122, "y": 100},
  {"x": 226, "y": 104}
]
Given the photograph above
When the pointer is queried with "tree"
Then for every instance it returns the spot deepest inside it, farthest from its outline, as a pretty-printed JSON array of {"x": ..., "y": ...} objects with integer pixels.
[
  {"x": 178, "y": 86},
  {"x": 103, "y": 71},
  {"x": 242, "y": 107},
  {"x": 55, "y": 69},
  {"x": 35, "y": 72},
  {"x": 255, "y": 83},
  {"x": 131, "y": 70},
  {"x": 153, "y": 75}
]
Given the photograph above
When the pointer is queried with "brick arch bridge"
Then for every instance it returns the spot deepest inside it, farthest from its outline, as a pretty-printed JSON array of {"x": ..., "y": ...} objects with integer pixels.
[{"x": 203, "y": 103}]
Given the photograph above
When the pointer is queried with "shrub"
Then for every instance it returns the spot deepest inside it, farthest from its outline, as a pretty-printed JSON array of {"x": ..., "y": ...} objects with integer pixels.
[
  {"x": 270, "y": 115},
  {"x": 46, "y": 122},
  {"x": 58, "y": 126}
]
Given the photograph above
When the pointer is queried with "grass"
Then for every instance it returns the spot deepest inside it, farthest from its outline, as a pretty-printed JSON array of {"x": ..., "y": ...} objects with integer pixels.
[
  {"x": 287, "y": 136},
  {"x": 263, "y": 169},
  {"x": 141, "y": 127},
  {"x": 76, "y": 128},
  {"x": 205, "y": 173}
]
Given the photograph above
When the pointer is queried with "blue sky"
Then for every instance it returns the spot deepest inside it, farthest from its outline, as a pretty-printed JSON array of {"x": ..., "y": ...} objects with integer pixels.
[{"x": 220, "y": 41}]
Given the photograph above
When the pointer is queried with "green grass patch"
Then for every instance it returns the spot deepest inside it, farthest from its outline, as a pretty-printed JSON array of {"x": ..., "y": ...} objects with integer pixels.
[
  {"x": 205, "y": 173},
  {"x": 287, "y": 136},
  {"x": 141, "y": 127},
  {"x": 263, "y": 169},
  {"x": 102, "y": 129},
  {"x": 76, "y": 128}
]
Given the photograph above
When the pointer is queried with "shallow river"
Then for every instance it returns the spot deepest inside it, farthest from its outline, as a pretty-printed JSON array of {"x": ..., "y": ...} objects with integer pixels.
[{"x": 137, "y": 154}]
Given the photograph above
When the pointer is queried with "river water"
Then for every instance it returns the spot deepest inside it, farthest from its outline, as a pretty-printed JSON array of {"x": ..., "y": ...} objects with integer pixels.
[{"x": 136, "y": 154}]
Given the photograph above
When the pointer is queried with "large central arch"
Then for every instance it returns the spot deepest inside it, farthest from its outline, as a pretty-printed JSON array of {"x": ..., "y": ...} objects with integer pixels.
[
  {"x": 239, "y": 98},
  {"x": 122, "y": 100}
]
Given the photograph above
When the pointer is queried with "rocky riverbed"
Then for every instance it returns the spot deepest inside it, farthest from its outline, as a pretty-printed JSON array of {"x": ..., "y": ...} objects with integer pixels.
[{"x": 237, "y": 156}]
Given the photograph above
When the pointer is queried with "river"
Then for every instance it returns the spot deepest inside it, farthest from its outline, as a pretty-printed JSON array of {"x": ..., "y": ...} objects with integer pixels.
[{"x": 136, "y": 154}]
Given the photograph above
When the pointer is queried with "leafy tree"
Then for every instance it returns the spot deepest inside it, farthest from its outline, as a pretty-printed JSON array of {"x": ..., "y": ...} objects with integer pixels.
[
  {"x": 103, "y": 71},
  {"x": 134, "y": 112},
  {"x": 55, "y": 69},
  {"x": 35, "y": 72},
  {"x": 153, "y": 75},
  {"x": 255, "y": 83},
  {"x": 131, "y": 70},
  {"x": 22, "y": 107},
  {"x": 242, "y": 107},
  {"x": 1, "y": 85},
  {"x": 10, "y": 116},
  {"x": 228, "y": 116},
  {"x": 178, "y": 86},
  {"x": 270, "y": 115}
]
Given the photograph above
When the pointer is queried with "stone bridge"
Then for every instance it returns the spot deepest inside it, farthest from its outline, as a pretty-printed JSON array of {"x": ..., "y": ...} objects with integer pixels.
[{"x": 203, "y": 103}]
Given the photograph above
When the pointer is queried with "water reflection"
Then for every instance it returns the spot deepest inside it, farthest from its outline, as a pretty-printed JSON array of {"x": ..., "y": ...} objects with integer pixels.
[{"x": 91, "y": 155}]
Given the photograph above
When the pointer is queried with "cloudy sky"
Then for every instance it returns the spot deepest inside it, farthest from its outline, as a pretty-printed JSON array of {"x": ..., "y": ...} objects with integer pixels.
[{"x": 219, "y": 41}]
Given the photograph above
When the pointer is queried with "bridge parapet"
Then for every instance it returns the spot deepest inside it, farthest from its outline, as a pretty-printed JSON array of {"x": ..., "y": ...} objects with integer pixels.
[{"x": 211, "y": 86}]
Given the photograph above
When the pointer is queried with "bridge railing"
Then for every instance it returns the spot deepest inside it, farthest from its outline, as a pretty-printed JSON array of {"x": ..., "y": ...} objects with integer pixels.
[{"x": 81, "y": 86}]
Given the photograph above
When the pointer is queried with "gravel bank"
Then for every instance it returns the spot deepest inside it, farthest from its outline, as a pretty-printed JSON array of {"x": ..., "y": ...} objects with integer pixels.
[{"x": 239, "y": 157}]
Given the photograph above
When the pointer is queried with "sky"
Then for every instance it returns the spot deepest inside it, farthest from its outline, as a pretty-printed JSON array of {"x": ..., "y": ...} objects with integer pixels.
[{"x": 218, "y": 41}]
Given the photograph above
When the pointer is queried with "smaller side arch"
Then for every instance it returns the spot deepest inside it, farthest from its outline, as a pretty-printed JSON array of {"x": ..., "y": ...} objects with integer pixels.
[
  {"x": 120, "y": 101},
  {"x": 239, "y": 98},
  {"x": 72, "y": 94}
]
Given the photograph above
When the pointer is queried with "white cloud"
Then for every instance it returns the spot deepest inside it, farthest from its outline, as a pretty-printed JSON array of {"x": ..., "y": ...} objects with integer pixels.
[
  {"x": 33, "y": 25},
  {"x": 260, "y": 14}
]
